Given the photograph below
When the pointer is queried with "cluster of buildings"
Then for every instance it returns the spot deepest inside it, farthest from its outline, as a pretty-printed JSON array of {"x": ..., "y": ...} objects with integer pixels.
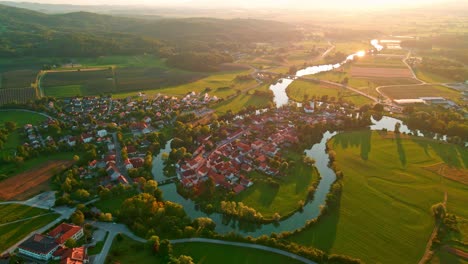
[
  {"x": 52, "y": 246},
  {"x": 229, "y": 163},
  {"x": 429, "y": 101}
]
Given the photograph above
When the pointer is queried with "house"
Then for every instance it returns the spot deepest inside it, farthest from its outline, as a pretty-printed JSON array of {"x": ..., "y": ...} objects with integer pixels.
[
  {"x": 86, "y": 138},
  {"x": 102, "y": 133},
  {"x": 38, "y": 247},
  {"x": 122, "y": 179},
  {"x": 71, "y": 141},
  {"x": 64, "y": 231},
  {"x": 75, "y": 256},
  {"x": 137, "y": 162},
  {"x": 128, "y": 164},
  {"x": 238, "y": 188}
]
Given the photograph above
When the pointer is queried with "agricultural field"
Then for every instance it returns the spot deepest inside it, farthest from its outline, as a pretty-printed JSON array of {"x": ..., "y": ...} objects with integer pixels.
[
  {"x": 17, "y": 79},
  {"x": 19, "y": 95},
  {"x": 367, "y": 84},
  {"x": 141, "y": 79},
  {"x": 149, "y": 61},
  {"x": 202, "y": 253},
  {"x": 416, "y": 91},
  {"x": 33, "y": 181},
  {"x": 282, "y": 199},
  {"x": 380, "y": 62},
  {"x": 15, "y": 212},
  {"x": 387, "y": 195},
  {"x": 431, "y": 77},
  {"x": 221, "y": 84},
  {"x": 300, "y": 89},
  {"x": 365, "y": 72},
  {"x": 90, "y": 82},
  {"x": 12, "y": 233}
]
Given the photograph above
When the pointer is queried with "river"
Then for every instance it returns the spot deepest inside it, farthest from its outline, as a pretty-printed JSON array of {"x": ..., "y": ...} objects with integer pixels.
[
  {"x": 279, "y": 88},
  {"x": 318, "y": 152},
  {"x": 310, "y": 211}
]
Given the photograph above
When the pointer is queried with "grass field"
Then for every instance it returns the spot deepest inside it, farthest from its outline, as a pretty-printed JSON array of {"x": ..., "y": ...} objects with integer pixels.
[
  {"x": 14, "y": 212},
  {"x": 21, "y": 119},
  {"x": 202, "y": 253},
  {"x": 431, "y": 77},
  {"x": 64, "y": 91},
  {"x": 244, "y": 100},
  {"x": 299, "y": 88},
  {"x": 284, "y": 200},
  {"x": 416, "y": 91},
  {"x": 12, "y": 233},
  {"x": 387, "y": 196},
  {"x": 123, "y": 61}
]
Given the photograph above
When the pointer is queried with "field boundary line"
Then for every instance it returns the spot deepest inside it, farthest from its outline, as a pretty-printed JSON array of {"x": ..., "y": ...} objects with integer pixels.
[{"x": 25, "y": 219}]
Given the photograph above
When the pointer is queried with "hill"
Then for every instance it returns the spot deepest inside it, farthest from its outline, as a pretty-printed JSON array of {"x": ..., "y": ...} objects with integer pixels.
[{"x": 25, "y": 32}]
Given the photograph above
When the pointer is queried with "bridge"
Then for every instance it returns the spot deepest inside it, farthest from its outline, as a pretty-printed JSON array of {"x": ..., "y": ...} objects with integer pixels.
[{"x": 167, "y": 181}]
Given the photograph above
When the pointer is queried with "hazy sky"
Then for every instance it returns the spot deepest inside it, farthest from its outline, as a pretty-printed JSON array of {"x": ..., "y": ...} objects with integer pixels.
[{"x": 255, "y": 3}]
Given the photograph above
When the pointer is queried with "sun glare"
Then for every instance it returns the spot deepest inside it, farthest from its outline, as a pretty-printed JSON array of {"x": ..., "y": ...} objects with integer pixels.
[{"x": 361, "y": 53}]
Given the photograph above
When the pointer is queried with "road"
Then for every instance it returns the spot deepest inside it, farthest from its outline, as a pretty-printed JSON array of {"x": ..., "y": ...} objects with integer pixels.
[
  {"x": 28, "y": 111},
  {"x": 119, "y": 160},
  {"x": 245, "y": 245},
  {"x": 114, "y": 229},
  {"x": 43, "y": 201}
]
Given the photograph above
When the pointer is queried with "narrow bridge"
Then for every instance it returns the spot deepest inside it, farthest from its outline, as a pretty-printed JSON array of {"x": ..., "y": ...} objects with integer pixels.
[{"x": 167, "y": 181}]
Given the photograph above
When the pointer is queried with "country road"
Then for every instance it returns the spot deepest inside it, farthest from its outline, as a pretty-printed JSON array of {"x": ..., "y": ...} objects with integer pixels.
[
  {"x": 43, "y": 201},
  {"x": 245, "y": 245},
  {"x": 114, "y": 229}
]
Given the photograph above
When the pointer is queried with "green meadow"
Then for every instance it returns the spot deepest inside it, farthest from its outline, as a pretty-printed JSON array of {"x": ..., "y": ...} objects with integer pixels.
[
  {"x": 384, "y": 212},
  {"x": 300, "y": 88},
  {"x": 202, "y": 253}
]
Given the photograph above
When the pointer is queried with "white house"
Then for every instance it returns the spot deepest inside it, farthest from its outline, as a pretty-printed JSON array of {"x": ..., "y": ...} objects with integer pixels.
[{"x": 102, "y": 133}]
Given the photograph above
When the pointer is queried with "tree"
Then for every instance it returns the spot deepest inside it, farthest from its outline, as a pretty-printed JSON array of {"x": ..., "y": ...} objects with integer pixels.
[
  {"x": 397, "y": 128},
  {"x": 165, "y": 248},
  {"x": 378, "y": 107},
  {"x": 439, "y": 211},
  {"x": 182, "y": 259},
  {"x": 77, "y": 218},
  {"x": 81, "y": 194},
  {"x": 10, "y": 126},
  {"x": 154, "y": 243},
  {"x": 70, "y": 243},
  {"x": 76, "y": 158}
]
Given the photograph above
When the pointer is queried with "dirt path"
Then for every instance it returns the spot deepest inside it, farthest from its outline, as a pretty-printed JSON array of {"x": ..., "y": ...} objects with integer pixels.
[{"x": 428, "y": 252}]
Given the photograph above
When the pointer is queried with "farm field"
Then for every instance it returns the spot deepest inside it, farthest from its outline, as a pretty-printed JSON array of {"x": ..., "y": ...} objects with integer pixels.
[
  {"x": 14, "y": 212},
  {"x": 202, "y": 253},
  {"x": 386, "y": 198},
  {"x": 141, "y": 79},
  {"x": 285, "y": 198},
  {"x": 32, "y": 181},
  {"x": 121, "y": 61},
  {"x": 367, "y": 85},
  {"x": 380, "y": 72},
  {"x": 431, "y": 77},
  {"x": 12, "y": 233},
  {"x": 64, "y": 91},
  {"x": 300, "y": 88},
  {"x": 17, "y": 79},
  {"x": 221, "y": 84},
  {"x": 380, "y": 62},
  {"x": 20, "y": 95},
  {"x": 416, "y": 91},
  {"x": 91, "y": 82}
]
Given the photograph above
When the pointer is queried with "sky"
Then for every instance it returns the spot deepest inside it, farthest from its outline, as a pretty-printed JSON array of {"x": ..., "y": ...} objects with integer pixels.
[{"x": 357, "y": 4}]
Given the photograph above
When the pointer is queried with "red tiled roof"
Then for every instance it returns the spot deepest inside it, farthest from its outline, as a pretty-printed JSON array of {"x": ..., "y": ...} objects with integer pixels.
[
  {"x": 63, "y": 232},
  {"x": 239, "y": 188}
]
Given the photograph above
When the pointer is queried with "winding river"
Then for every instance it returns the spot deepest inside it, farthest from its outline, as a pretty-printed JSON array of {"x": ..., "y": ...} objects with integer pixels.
[{"x": 311, "y": 210}]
